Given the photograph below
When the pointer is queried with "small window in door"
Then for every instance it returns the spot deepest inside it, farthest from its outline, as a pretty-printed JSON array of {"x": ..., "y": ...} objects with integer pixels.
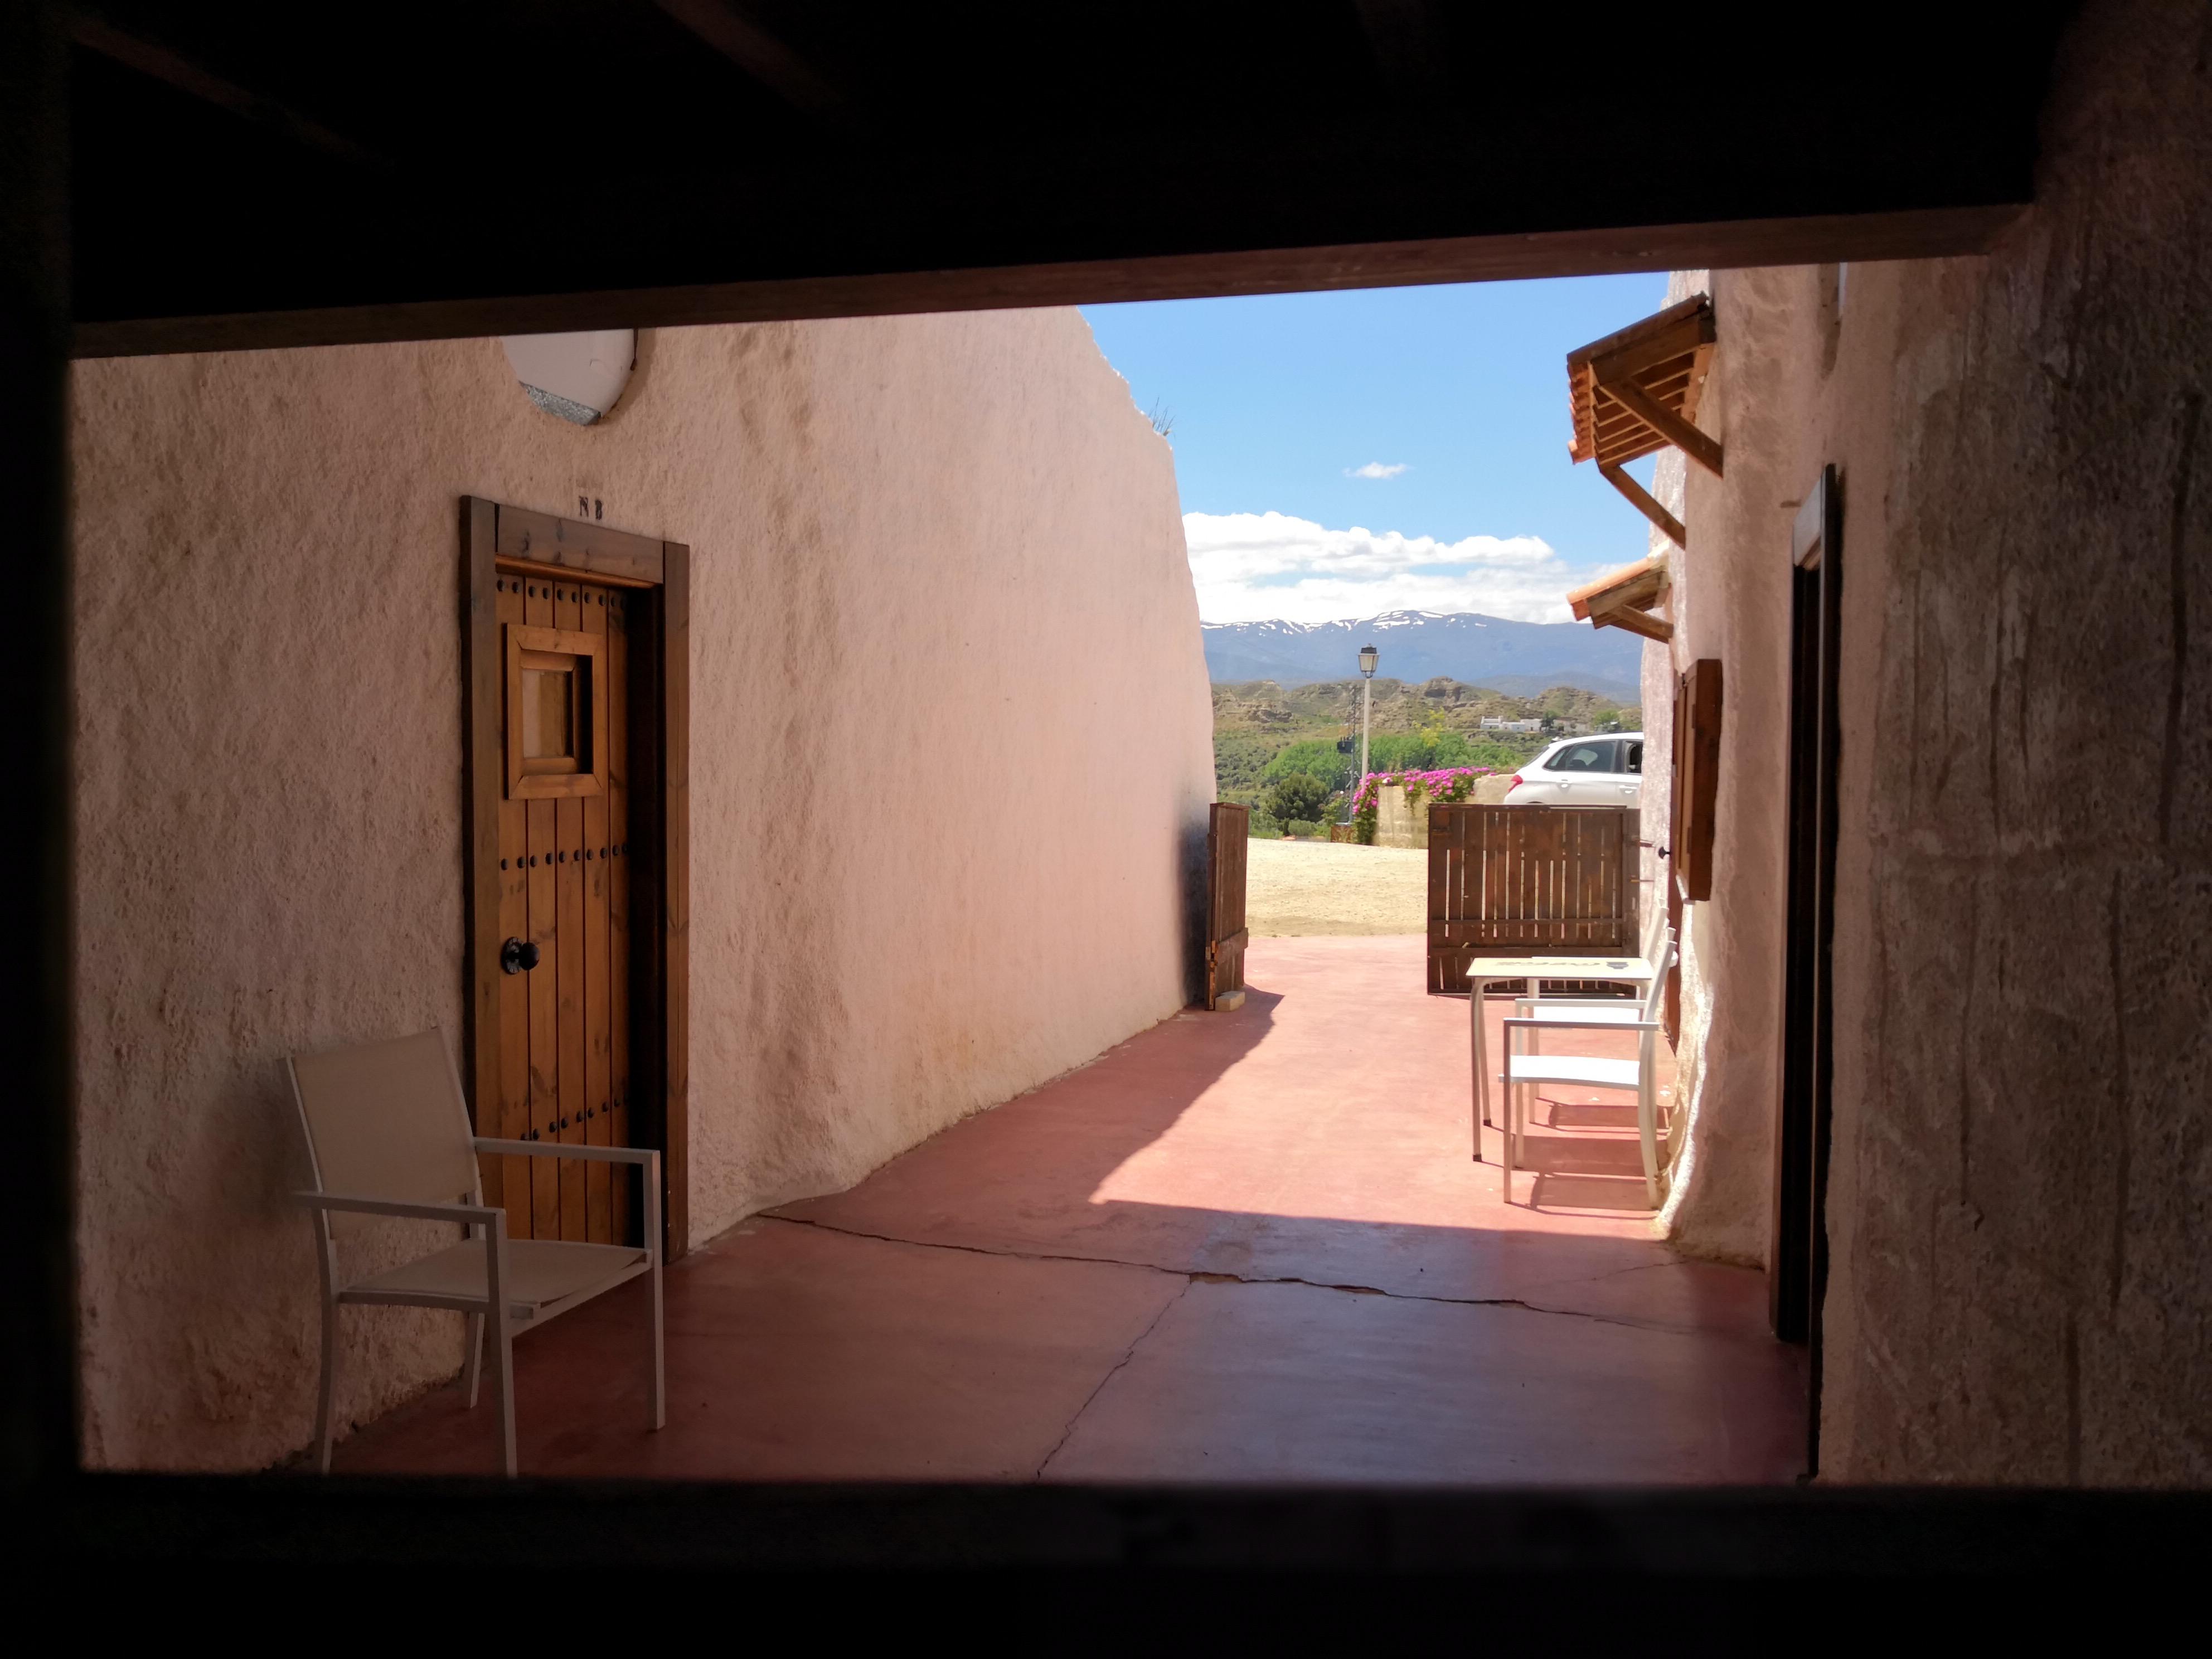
[
  {"x": 556, "y": 715},
  {"x": 1632, "y": 754},
  {"x": 1595, "y": 756},
  {"x": 548, "y": 712}
]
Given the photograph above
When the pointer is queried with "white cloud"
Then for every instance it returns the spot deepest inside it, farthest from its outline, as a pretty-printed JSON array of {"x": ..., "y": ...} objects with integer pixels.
[
  {"x": 1375, "y": 470},
  {"x": 1257, "y": 566}
]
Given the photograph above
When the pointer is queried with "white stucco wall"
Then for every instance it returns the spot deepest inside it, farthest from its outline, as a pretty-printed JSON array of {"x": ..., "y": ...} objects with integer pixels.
[
  {"x": 1725, "y": 594},
  {"x": 2022, "y": 956},
  {"x": 951, "y": 756}
]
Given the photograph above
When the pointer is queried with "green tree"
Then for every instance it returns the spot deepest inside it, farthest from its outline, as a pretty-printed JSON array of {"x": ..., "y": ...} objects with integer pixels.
[
  {"x": 1419, "y": 752},
  {"x": 1299, "y": 796},
  {"x": 1317, "y": 757}
]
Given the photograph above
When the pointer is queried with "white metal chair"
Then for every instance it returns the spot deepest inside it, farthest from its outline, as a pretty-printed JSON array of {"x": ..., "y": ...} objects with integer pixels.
[
  {"x": 1613, "y": 1010},
  {"x": 388, "y": 1135},
  {"x": 1638, "y": 971},
  {"x": 1525, "y": 1070}
]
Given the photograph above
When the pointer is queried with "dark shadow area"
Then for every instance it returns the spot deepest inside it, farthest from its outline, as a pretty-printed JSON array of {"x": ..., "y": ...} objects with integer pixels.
[
  {"x": 991, "y": 1305},
  {"x": 1730, "y": 1568}
]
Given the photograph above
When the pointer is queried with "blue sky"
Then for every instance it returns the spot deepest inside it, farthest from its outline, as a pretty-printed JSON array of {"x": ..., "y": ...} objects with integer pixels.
[{"x": 1342, "y": 455}]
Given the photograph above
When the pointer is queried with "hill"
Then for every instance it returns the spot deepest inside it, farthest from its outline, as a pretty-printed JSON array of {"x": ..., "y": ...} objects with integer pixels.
[{"x": 1524, "y": 658}]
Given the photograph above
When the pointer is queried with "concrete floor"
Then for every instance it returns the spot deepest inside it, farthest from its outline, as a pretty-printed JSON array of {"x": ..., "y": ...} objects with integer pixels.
[{"x": 1249, "y": 1247}]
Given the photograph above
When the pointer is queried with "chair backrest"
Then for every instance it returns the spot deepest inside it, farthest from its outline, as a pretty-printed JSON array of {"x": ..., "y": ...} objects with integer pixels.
[
  {"x": 1656, "y": 926},
  {"x": 386, "y": 1119},
  {"x": 1655, "y": 994}
]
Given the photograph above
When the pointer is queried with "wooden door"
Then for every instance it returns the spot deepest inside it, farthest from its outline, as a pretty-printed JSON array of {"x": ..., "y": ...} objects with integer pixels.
[
  {"x": 1228, "y": 836},
  {"x": 564, "y": 894},
  {"x": 577, "y": 715},
  {"x": 1798, "y": 1272}
]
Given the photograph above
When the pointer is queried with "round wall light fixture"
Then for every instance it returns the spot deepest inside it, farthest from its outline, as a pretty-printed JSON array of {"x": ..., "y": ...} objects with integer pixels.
[{"x": 578, "y": 377}]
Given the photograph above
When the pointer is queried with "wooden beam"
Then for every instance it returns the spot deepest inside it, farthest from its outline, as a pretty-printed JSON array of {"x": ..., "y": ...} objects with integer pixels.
[
  {"x": 1641, "y": 584},
  {"x": 1635, "y": 622},
  {"x": 166, "y": 66},
  {"x": 732, "y": 30},
  {"x": 1641, "y": 499},
  {"x": 676, "y": 893},
  {"x": 483, "y": 772},
  {"x": 39, "y": 1340},
  {"x": 597, "y": 549},
  {"x": 1685, "y": 328},
  {"x": 1664, "y": 422},
  {"x": 1910, "y": 235}
]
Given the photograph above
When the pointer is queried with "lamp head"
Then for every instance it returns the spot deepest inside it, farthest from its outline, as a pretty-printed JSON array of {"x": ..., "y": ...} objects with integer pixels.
[{"x": 1368, "y": 656}]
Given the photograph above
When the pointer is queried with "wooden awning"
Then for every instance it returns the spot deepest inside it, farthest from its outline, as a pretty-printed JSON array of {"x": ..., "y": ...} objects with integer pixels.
[
  {"x": 1637, "y": 391},
  {"x": 1625, "y": 599}
]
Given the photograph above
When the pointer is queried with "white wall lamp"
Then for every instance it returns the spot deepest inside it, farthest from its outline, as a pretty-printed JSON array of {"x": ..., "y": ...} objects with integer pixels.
[{"x": 578, "y": 377}]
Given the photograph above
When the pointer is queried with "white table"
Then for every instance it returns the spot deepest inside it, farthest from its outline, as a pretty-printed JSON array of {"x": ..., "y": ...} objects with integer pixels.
[{"x": 1484, "y": 971}]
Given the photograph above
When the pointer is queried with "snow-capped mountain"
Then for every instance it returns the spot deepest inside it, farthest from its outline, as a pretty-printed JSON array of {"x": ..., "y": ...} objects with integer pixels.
[{"x": 1514, "y": 657}]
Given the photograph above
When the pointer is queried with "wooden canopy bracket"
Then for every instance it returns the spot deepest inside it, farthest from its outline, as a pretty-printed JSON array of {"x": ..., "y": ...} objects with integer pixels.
[
  {"x": 1641, "y": 499},
  {"x": 1634, "y": 621},
  {"x": 1669, "y": 427},
  {"x": 1636, "y": 392},
  {"x": 1625, "y": 599}
]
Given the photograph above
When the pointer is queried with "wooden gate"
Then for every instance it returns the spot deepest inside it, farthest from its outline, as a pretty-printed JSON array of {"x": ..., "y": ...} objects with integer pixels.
[
  {"x": 1514, "y": 881},
  {"x": 1228, "y": 833}
]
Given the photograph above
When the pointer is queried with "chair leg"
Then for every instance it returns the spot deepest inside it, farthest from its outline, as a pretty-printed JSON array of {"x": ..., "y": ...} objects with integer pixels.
[
  {"x": 499, "y": 1312},
  {"x": 324, "y": 1404},
  {"x": 502, "y": 1382},
  {"x": 660, "y": 1388},
  {"x": 1481, "y": 1064},
  {"x": 1647, "y": 1131},
  {"x": 472, "y": 1367},
  {"x": 656, "y": 1244},
  {"x": 1511, "y": 1090}
]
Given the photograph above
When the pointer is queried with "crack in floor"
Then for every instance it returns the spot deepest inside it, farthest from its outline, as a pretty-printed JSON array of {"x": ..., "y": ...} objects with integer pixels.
[
  {"x": 1114, "y": 1370},
  {"x": 1212, "y": 1277}
]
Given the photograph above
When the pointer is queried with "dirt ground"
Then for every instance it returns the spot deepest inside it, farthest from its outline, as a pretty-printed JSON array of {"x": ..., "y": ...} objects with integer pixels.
[{"x": 1304, "y": 888}]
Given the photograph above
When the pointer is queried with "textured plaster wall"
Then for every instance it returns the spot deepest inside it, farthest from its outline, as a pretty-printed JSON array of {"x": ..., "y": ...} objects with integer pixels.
[
  {"x": 2022, "y": 1175},
  {"x": 1727, "y": 591},
  {"x": 950, "y": 757}
]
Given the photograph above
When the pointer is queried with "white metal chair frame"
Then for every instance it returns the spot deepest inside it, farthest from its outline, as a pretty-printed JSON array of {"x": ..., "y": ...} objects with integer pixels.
[
  {"x": 501, "y": 1305},
  {"x": 1487, "y": 970},
  {"x": 1526, "y": 1069}
]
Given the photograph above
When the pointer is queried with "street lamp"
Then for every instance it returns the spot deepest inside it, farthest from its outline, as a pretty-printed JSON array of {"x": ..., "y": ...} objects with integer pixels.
[{"x": 1368, "y": 656}]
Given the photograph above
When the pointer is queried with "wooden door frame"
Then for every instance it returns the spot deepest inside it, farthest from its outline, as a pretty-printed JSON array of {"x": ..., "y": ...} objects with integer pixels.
[
  {"x": 497, "y": 537},
  {"x": 1797, "y": 1275}
]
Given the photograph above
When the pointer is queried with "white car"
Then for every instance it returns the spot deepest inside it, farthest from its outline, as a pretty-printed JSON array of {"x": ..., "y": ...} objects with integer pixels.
[{"x": 1606, "y": 771}]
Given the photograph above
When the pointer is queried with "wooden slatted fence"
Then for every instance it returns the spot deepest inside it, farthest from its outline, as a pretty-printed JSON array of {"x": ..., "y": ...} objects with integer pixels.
[
  {"x": 1513, "y": 881},
  {"x": 1228, "y": 834}
]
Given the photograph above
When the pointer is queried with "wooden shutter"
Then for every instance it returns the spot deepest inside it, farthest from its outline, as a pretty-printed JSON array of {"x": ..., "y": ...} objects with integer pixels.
[{"x": 1696, "y": 776}]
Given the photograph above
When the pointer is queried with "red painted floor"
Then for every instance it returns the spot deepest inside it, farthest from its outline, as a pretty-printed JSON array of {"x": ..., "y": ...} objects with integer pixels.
[{"x": 1244, "y": 1247}]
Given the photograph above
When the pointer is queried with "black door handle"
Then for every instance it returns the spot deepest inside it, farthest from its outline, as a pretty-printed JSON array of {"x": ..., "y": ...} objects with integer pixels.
[{"x": 517, "y": 957}]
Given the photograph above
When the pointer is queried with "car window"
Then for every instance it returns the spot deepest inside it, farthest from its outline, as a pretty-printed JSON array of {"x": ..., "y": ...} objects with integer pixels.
[
  {"x": 1584, "y": 758},
  {"x": 1635, "y": 756}
]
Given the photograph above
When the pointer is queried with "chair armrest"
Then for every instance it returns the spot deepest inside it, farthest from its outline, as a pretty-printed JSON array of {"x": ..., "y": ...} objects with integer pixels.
[
  {"x": 1583, "y": 1024},
  {"x": 566, "y": 1149},
  {"x": 477, "y": 1214}
]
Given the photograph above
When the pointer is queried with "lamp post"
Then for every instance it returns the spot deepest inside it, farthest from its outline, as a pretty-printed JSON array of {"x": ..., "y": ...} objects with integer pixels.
[{"x": 1368, "y": 656}]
